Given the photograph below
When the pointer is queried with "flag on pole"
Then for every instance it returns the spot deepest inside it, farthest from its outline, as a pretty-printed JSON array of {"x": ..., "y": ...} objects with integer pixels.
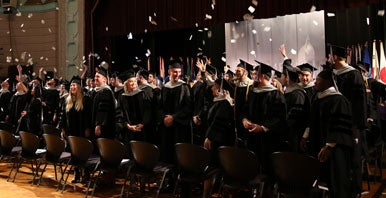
[
  {"x": 161, "y": 67},
  {"x": 374, "y": 62},
  {"x": 382, "y": 63}
]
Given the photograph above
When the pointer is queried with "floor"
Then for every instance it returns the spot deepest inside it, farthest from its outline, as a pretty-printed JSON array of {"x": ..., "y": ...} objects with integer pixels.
[{"x": 22, "y": 186}]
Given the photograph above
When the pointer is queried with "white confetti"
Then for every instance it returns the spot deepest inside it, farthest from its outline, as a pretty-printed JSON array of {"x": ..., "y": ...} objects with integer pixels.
[
  {"x": 196, "y": 24},
  {"x": 381, "y": 13},
  {"x": 223, "y": 59},
  {"x": 41, "y": 58},
  {"x": 252, "y": 52},
  {"x": 112, "y": 62},
  {"x": 293, "y": 51},
  {"x": 53, "y": 48},
  {"x": 16, "y": 60},
  {"x": 254, "y": 32},
  {"x": 29, "y": 15},
  {"x": 208, "y": 17},
  {"x": 55, "y": 69},
  {"x": 330, "y": 14},
  {"x": 233, "y": 40},
  {"x": 212, "y": 5},
  {"x": 9, "y": 59},
  {"x": 18, "y": 14},
  {"x": 173, "y": 19},
  {"x": 270, "y": 39},
  {"x": 313, "y": 8},
  {"x": 315, "y": 23},
  {"x": 7, "y": 32},
  {"x": 200, "y": 30},
  {"x": 10, "y": 49},
  {"x": 206, "y": 29},
  {"x": 43, "y": 21},
  {"x": 44, "y": 72},
  {"x": 267, "y": 29},
  {"x": 107, "y": 29},
  {"x": 106, "y": 48},
  {"x": 49, "y": 30},
  {"x": 368, "y": 20},
  {"x": 57, "y": 8},
  {"x": 190, "y": 37},
  {"x": 251, "y": 9},
  {"x": 23, "y": 30},
  {"x": 33, "y": 74},
  {"x": 145, "y": 30},
  {"x": 22, "y": 25},
  {"x": 130, "y": 36},
  {"x": 154, "y": 14},
  {"x": 248, "y": 17},
  {"x": 46, "y": 59}
]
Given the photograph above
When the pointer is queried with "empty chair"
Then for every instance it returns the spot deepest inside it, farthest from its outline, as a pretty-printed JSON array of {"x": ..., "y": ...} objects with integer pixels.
[
  {"x": 55, "y": 154},
  {"x": 296, "y": 173},
  {"x": 81, "y": 150},
  {"x": 146, "y": 164},
  {"x": 8, "y": 147},
  {"x": 30, "y": 152},
  {"x": 192, "y": 160},
  {"x": 241, "y": 170},
  {"x": 112, "y": 153}
]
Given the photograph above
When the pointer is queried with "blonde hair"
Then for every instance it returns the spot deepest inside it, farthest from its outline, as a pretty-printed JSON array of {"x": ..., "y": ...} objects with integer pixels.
[{"x": 76, "y": 100}]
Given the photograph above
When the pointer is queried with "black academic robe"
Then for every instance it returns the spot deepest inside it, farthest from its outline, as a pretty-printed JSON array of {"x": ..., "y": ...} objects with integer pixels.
[
  {"x": 18, "y": 103},
  {"x": 176, "y": 101},
  {"x": 51, "y": 99},
  {"x": 76, "y": 122},
  {"x": 268, "y": 109},
  {"x": 5, "y": 97},
  {"x": 330, "y": 122},
  {"x": 241, "y": 96},
  {"x": 135, "y": 109},
  {"x": 103, "y": 111},
  {"x": 220, "y": 129},
  {"x": 34, "y": 114},
  {"x": 310, "y": 92},
  {"x": 298, "y": 107}
]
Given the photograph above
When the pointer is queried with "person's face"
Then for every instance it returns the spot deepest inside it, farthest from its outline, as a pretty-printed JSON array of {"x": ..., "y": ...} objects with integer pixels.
[
  {"x": 254, "y": 75},
  {"x": 99, "y": 80},
  {"x": 215, "y": 88},
  {"x": 74, "y": 88},
  {"x": 132, "y": 84},
  {"x": 240, "y": 72},
  {"x": 5, "y": 84},
  {"x": 151, "y": 78},
  {"x": 175, "y": 74},
  {"x": 198, "y": 76},
  {"x": 305, "y": 77},
  {"x": 112, "y": 81},
  {"x": 320, "y": 84}
]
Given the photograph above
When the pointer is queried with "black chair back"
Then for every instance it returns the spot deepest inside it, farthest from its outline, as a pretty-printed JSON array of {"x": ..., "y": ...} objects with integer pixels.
[
  {"x": 192, "y": 158},
  {"x": 111, "y": 151},
  {"x": 8, "y": 141},
  {"x": 146, "y": 155},
  {"x": 81, "y": 149}
]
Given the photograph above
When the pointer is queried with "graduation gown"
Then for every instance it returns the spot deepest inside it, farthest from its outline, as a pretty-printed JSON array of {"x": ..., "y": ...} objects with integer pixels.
[
  {"x": 76, "y": 122},
  {"x": 103, "y": 111},
  {"x": 18, "y": 103},
  {"x": 176, "y": 101},
  {"x": 34, "y": 114},
  {"x": 135, "y": 109},
  {"x": 5, "y": 97},
  {"x": 241, "y": 96},
  {"x": 220, "y": 129},
  {"x": 51, "y": 98},
  {"x": 331, "y": 123},
  {"x": 266, "y": 106},
  {"x": 309, "y": 91},
  {"x": 298, "y": 107}
]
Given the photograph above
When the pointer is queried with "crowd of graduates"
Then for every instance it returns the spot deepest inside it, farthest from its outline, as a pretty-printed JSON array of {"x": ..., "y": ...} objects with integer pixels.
[{"x": 256, "y": 108}]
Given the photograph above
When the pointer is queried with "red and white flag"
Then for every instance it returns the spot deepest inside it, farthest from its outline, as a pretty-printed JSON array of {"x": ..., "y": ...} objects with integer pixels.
[
  {"x": 382, "y": 63},
  {"x": 375, "y": 63},
  {"x": 161, "y": 67}
]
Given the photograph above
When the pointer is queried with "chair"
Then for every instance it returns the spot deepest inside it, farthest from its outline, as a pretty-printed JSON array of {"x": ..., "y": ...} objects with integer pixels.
[
  {"x": 30, "y": 152},
  {"x": 241, "y": 170},
  {"x": 146, "y": 164},
  {"x": 193, "y": 161},
  {"x": 55, "y": 154},
  {"x": 112, "y": 153},
  {"x": 81, "y": 150},
  {"x": 296, "y": 173},
  {"x": 8, "y": 144},
  {"x": 50, "y": 129}
]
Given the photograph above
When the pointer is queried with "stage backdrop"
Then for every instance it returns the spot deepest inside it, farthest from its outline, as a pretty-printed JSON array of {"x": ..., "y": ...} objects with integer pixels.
[{"x": 302, "y": 34}]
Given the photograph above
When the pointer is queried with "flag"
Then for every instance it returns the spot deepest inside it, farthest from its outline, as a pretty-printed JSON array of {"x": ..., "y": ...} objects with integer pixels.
[
  {"x": 382, "y": 63},
  {"x": 366, "y": 59},
  {"x": 161, "y": 67},
  {"x": 375, "y": 63}
]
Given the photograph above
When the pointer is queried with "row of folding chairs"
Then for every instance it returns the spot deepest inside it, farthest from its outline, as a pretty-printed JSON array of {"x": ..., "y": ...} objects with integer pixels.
[{"x": 296, "y": 173}]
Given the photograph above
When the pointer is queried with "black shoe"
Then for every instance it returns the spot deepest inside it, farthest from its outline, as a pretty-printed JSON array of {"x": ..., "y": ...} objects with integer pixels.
[{"x": 75, "y": 180}]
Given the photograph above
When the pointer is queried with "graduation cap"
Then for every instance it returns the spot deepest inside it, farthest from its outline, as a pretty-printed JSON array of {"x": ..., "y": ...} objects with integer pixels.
[
  {"x": 327, "y": 74},
  {"x": 224, "y": 85},
  {"x": 102, "y": 71},
  {"x": 211, "y": 69},
  {"x": 361, "y": 66},
  {"x": 76, "y": 79},
  {"x": 291, "y": 72},
  {"x": 265, "y": 69},
  {"x": 144, "y": 73},
  {"x": 230, "y": 73},
  {"x": 245, "y": 65},
  {"x": 339, "y": 51},
  {"x": 126, "y": 75},
  {"x": 174, "y": 65},
  {"x": 38, "y": 79},
  {"x": 306, "y": 67}
]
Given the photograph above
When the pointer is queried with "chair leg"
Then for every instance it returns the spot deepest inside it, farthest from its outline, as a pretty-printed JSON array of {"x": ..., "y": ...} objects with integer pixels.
[
  {"x": 261, "y": 190},
  {"x": 124, "y": 182},
  {"x": 95, "y": 182},
  {"x": 65, "y": 181},
  {"x": 17, "y": 170},
  {"x": 176, "y": 185},
  {"x": 41, "y": 175},
  {"x": 63, "y": 173},
  {"x": 14, "y": 165},
  {"x": 162, "y": 182}
]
